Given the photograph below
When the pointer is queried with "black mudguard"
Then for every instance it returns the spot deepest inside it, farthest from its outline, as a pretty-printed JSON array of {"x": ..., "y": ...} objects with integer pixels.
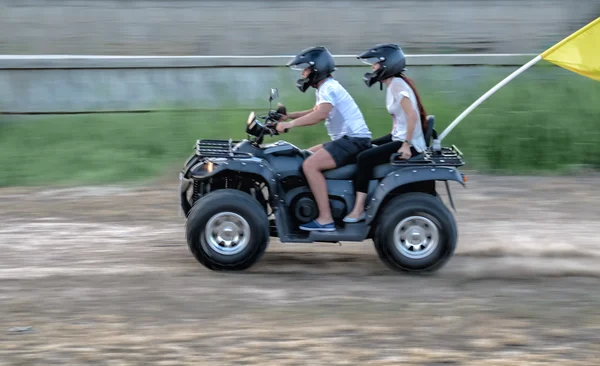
[
  {"x": 251, "y": 166},
  {"x": 240, "y": 166},
  {"x": 408, "y": 175}
]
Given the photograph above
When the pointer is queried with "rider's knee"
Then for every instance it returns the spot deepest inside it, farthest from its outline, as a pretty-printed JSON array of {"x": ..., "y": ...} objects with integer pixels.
[
  {"x": 363, "y": 159},
  {"x": 311, "y": 165},
  {"x": 308, "y": 165}
]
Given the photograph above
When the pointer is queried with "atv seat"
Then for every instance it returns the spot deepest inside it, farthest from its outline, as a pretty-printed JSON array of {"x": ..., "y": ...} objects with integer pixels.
[
  {"x": 430, "y": 132},
  {"x": 345, "y": 172}
]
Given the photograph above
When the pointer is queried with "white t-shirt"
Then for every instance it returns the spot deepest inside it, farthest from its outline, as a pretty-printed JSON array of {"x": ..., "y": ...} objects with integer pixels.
[
  {"x": 345, "y": 117},
  {"x": 397, "y": 90}
]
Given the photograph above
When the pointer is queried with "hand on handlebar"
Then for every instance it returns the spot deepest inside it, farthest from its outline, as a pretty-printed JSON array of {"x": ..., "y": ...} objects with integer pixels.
[
  {"x": 282, "y": 127},
  {"x": 276, "y": 116},
  {"x": 283, "y": 112},
  {"x": 279, "y": 115}
]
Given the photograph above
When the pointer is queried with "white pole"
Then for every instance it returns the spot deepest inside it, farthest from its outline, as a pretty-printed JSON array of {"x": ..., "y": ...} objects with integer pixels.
[{"x": 487, "y": 95}]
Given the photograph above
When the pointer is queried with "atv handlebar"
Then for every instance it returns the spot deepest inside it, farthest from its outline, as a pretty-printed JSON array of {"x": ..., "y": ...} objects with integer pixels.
[
  {"x": 258, "y": 129},
  {"x": 274, "y": 117}
]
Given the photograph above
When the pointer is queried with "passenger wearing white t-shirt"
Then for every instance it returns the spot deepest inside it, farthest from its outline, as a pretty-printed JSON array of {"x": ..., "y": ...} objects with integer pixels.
[
  {"x": 344, "y": 121},
  {"x": 408, "y": 116}
]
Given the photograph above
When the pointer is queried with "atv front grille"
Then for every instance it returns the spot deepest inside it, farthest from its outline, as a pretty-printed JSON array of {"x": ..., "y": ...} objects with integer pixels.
[
  {"x": 198, "y": 190},
  {"x": 219, "y": 149}
]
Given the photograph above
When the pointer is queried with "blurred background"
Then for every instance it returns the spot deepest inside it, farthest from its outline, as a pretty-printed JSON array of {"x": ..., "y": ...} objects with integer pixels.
[
  {"x": 101, "y": 102},
  {"x": 532, "y": 118},
  {"x": 269, "y": 27}
]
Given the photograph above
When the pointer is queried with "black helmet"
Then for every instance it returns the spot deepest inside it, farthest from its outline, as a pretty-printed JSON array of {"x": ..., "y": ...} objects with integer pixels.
[
  {"x": 391, "y": 59},
  {"x": 319, "y": 60}
]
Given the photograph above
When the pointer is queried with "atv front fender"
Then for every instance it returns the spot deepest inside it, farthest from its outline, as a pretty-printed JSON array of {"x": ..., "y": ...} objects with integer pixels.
[
  {"x": 203, "y": 171},
  {"x": 408, "y": 175}
]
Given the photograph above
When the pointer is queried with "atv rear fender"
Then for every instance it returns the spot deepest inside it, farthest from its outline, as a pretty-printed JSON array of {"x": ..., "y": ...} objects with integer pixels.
[{"x": 403, "y": 176}]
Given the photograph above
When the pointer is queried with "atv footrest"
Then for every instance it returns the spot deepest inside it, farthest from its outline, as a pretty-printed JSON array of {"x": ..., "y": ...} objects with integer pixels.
[
  {"x": 350, "y": 232},
  {"x": 294, "y": 238}
]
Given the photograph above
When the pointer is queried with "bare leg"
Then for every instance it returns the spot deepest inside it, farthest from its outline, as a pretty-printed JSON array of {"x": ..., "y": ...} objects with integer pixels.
[
  {"x": 313, "y": 168},
  {"x": 316, "y": 148},
  {"x": 359, "y": 205}
]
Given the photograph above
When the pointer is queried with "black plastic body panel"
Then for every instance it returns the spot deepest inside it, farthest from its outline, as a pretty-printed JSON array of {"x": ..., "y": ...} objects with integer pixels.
[
  {"x": 282, "y": 162},
  {"x": 404, "y": 176}
]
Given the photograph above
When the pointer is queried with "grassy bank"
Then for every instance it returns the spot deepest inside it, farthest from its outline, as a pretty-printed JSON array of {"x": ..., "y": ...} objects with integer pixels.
[{"x": 532, "y": 125}]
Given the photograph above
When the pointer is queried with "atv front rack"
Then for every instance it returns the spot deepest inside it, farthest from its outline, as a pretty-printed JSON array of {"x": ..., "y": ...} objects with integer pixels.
[
  {"x": 447, "y": 156},
  {"x": 219, "y": 149}
]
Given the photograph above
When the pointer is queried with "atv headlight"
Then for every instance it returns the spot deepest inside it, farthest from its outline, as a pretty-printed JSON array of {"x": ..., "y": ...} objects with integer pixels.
[
  {"x": 203, "y": 168},
  {"x": 250, "y": 119},
  {"x": 253, "y": 126},
  {"x": 210, "y": 166},
  {"x": 207, "y": 166}
]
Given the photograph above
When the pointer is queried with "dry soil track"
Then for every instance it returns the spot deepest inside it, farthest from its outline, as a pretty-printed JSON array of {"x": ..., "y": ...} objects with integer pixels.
[{"x": 102, "y": 276}]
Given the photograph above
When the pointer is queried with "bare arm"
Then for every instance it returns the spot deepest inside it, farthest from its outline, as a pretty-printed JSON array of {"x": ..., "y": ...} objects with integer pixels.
[
  {"x": 411, "y": 123},
  {"x": 319, "y": 113},
  {"x": 295, "y": 115},
  {"x": 411, "y": 118}
]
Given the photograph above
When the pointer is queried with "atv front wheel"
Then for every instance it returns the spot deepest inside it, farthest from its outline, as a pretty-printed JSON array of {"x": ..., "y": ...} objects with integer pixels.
[
  {"x": 416, "y": 233},
  {"x": 227, "y": 230}
]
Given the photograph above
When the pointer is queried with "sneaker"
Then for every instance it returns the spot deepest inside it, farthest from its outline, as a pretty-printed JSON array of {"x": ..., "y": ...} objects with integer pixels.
[{"x": 315, "y": 226}]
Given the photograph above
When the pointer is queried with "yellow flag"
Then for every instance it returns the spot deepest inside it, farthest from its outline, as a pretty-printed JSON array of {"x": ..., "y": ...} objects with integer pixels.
[{"x": 580, "y": 52}]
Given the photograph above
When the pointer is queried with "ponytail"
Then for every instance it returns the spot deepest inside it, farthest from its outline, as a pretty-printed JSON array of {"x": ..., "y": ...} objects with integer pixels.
[{"x": 422, "y": 112}]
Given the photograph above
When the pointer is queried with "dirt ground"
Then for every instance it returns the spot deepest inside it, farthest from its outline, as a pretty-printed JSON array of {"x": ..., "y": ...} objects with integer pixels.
[{"x": 102, "y": 276}]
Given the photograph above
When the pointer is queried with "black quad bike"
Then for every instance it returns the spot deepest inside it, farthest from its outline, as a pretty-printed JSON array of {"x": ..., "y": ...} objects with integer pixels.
[{"x": 238, "y": 194}]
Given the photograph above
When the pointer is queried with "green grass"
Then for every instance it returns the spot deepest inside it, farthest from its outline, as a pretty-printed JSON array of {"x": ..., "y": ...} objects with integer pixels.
[{"x": 531, "y": 126}]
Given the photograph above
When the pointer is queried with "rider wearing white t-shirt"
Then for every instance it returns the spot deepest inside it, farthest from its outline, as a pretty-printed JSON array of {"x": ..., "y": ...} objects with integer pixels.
[
  {"x": 398, "y": 89},
  {"x": 345, "y": 118},
  {"x": 408, "y": 116},
  {"x": 344, "y": 121}
]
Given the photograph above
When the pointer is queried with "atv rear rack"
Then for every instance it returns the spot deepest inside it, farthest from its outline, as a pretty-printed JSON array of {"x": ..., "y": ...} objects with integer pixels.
[
  {"x": 219, "y": 149},
  {"x": 447, "y": 156}
]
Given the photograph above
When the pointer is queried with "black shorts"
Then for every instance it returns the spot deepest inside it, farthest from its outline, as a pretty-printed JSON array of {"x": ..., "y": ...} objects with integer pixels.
[{"x": 345, "y": 149}]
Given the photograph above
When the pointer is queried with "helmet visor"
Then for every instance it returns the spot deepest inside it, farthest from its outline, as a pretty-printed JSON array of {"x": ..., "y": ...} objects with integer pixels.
[
  {"x": 372, "y": 60},
  {"x": 300, "y": 67}
]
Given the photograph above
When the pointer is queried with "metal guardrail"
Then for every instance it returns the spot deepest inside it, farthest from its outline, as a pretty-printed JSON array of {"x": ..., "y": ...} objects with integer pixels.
[
  {"x": 144, "y": 83},
  {"x": 8, "y": 62}
]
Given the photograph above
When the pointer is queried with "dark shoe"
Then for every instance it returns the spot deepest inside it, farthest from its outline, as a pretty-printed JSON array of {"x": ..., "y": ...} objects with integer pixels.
[{"x": 315, "y": 226}]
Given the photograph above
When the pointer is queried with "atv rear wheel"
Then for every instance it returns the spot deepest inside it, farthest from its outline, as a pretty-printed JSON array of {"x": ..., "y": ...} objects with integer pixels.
[
  {"x": 227, "y": 230},
  {"x": 416, "y": 233}
]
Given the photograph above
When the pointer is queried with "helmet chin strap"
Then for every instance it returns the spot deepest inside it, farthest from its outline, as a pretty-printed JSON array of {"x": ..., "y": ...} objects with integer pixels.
[
  {"x": 304, "y": 83},
  {"x": 368, "y": 77}
]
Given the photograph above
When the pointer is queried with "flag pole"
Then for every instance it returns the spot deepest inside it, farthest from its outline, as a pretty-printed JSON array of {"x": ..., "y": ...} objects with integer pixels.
[
  {"x": 541, "y": 56},
  {"x": 487, "y": 95}
]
